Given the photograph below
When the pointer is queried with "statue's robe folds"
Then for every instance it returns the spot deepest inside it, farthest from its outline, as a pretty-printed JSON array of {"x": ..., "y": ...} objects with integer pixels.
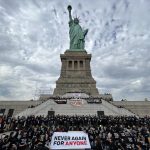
[{"x": 76, "y": 36}]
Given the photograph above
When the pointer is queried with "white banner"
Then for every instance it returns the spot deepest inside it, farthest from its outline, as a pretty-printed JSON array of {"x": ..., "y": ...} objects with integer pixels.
[
  {"x": 70, "y": 140},
  {"x": 76, "y": 102}
]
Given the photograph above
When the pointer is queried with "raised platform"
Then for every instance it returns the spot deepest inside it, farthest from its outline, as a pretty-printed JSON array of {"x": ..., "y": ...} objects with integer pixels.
[
  {"x": 84, "y": 108},
  {"x": 141, "y": 108}
]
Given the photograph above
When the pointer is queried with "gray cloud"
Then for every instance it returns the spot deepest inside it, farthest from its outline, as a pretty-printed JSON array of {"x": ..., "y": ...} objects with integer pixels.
[{"x": 34, "y": 32}]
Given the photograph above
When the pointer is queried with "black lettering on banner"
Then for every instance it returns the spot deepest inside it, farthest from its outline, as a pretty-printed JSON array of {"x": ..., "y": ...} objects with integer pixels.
[
  {"x": 84, "y": 138},
  {"x": 62, "y": 142},
  {"x": 65, "y": 138},
  {"x": 58, "y": 143},
  {"x": 55, "y": 138},
  {"x": 55, "y": 142},
  {"x": 79, "y": 138}
]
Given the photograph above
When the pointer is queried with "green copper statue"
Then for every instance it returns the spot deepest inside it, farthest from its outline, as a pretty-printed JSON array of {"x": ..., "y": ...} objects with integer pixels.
[{"x": 76, "y": 33}]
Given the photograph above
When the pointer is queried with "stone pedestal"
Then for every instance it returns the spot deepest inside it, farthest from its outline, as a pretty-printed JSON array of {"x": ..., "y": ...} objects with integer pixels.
[{"x": 75, "y": 74}]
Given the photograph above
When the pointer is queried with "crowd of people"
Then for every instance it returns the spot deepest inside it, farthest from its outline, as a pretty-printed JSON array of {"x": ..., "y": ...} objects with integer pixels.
[
  {"x": 90, "y": 101},
  {"x": 58, "y": 98},
  {"x": 105, "y": 132}
]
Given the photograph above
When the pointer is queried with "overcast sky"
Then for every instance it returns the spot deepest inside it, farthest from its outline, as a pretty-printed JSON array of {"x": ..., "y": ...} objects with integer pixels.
[{"x": 33, "y": 33}]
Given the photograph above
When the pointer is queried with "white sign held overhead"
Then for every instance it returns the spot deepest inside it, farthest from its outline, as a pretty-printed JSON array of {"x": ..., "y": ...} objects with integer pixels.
[{"x": 70, "y": 140}]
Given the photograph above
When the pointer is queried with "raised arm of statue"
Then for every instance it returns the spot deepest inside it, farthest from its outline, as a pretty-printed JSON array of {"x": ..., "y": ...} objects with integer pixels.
[{"x": 69, "y": 9}]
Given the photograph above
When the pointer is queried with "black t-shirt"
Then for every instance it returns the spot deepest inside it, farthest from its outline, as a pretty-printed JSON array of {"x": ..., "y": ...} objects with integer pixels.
[{"x": 23, "y": 141}]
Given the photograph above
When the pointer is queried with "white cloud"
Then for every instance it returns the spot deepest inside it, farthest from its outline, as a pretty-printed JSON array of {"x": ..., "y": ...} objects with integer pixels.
[{"x": 33, "y": 33}]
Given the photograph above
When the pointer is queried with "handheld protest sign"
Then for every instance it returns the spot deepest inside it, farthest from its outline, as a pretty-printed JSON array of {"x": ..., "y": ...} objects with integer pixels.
[{"x": 70, "y": 140}]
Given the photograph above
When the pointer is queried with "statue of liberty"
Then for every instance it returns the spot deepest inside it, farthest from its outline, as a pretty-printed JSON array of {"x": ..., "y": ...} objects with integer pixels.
[{"x": 76, "y": 33}]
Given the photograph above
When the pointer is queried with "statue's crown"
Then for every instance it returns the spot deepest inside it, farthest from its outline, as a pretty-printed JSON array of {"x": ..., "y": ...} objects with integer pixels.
[{"x": 77, "y": 19}]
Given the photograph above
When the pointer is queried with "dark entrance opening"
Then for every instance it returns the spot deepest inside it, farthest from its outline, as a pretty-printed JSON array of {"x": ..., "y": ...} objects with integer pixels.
[
  {"x": 51, "y": 113},
  {"x": 100, "y": 113}
]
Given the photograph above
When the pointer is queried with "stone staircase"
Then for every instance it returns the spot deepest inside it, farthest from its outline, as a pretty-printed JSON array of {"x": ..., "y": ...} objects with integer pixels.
[
  {"x": 69, "y": 109},
  {"x": 141, "y": 108}
]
